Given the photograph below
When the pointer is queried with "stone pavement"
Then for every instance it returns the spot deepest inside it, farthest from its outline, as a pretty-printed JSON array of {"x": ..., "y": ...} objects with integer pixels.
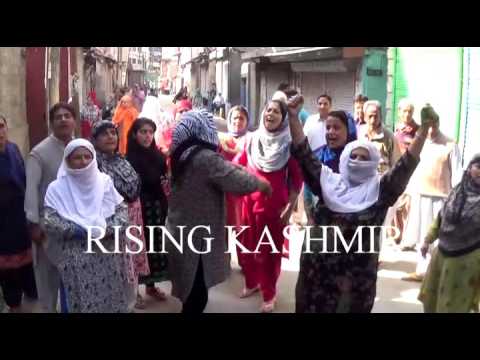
[{"x": 393, "y": 294}]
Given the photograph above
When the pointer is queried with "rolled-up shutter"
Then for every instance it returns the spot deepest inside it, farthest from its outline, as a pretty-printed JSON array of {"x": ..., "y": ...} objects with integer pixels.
[
  {"x": 339, "y": 85},
  {"x": 313, "y": 85}
]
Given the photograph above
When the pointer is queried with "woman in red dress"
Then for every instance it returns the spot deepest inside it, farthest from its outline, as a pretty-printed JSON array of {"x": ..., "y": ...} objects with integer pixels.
[{"x": 267, "y": 155}]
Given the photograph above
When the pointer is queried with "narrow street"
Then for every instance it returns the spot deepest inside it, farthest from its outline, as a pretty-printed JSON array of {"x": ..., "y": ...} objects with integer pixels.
[{"x": 393, "y": 294}]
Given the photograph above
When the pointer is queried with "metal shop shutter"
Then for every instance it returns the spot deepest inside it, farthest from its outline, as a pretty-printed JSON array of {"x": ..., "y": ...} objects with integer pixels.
[
  {"x": 312, "y": 85},
  {"x": 340, "y": 86},
  {"x": 274, "y": 77}
]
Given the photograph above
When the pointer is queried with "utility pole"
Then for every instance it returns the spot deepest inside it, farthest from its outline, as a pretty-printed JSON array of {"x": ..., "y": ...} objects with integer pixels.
[
  {"x": 53, "y": 76},
  {"x": 74, "y": 88}
]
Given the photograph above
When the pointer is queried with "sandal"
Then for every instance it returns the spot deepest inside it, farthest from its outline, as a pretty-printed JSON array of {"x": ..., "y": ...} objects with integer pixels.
[
  {"x": 413, "y": 277},
  {"x": 15, "y": 310},
  {"x": 268, "y": 306},
  {"x": 140, "y": 303},
  {"x": 156, "y": 293},
  {"x": 246, "y": 292}
]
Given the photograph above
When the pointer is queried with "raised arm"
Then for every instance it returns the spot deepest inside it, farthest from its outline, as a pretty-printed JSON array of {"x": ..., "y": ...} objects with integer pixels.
[
  {"x": 296, "y": 129},
  {"x": 456, "y": 165},
  {"x": 232, "y": 178},
  {"x": 429, "y": 117},
  {"x": 395, "y": 180},
  {"x": 310, "y": 165},
  {"x": 396, "y": 153}
]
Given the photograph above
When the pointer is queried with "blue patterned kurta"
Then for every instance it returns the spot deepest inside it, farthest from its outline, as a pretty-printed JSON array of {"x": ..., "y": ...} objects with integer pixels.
[{"x": 93, "y": 283}]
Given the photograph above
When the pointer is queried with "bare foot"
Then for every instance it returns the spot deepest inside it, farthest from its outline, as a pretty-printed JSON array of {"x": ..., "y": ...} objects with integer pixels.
[
  {"x": 268, "y": 306},
  {"x": 248, "y": 292},
  {"x": 156, "y": 293}
]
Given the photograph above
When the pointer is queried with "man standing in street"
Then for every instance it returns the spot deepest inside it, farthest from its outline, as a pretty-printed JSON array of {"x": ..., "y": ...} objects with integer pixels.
[
  {"x": 373, "y": 130},
  {"x": 42, "y": 166},
  {"x": 359, "y": 115},
  {"x": 314, "y": 128},
  {"x": 438, "y": 172},
  {"x": 384, "y": 140},
  {"x": 405, "y": 133}
]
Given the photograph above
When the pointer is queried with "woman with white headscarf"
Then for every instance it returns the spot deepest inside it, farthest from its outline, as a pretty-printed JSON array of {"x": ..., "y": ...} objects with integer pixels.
[
  {"x": 345, "y": 281},
  {"x": 267, "y": 155},
  {"x": 80, "y": 198},
  {"x": 232, "y": 143}
]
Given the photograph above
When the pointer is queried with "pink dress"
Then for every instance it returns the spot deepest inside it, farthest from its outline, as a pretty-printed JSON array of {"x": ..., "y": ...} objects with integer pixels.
[{"x": 139, "y": 261}]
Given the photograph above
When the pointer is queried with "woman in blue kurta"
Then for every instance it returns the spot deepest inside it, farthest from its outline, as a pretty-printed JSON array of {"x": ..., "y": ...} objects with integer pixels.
[{"x": 340, "y": 130}]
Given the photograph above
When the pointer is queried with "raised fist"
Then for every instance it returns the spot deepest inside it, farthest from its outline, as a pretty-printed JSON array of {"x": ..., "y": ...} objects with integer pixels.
[
  {"x": 295, "y": 105},
  {"x": 428, "y": 116}
]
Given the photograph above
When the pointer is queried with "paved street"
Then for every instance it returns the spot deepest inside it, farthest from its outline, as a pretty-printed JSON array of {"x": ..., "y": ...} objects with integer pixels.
[{"x": 393, "y": 294}]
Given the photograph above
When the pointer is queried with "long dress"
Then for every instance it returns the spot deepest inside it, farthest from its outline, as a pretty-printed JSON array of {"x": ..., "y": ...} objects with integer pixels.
[
  {"x": 344, "y": 282},
  {"x": 93, "y": 283},
  {"x": 16, "y": 270},
  {"x": 438, "y": 172},
  {"x": 124, "y": 118},
  {"x": 154, "y": 209},
  {"x": 260, "y": 212},
  {"x": 199, "y": 199},
  {"x": 150, "y": 165},
  {"x": 127, "y": 183},
  {"x": 452, "y": 284},
  {"x": 452, "y": 281}
]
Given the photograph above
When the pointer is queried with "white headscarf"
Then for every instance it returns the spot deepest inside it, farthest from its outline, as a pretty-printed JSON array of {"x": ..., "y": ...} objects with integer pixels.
[
  {"x": 85, "y": 196},
  {"x": 270, "y": 151},
  {"x": 357, "y": 186},
  {"x": 281, "y": 96}
]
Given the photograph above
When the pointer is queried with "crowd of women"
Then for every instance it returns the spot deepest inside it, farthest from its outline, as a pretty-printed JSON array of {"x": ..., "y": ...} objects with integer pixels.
[{"x": 149, "y": 167}]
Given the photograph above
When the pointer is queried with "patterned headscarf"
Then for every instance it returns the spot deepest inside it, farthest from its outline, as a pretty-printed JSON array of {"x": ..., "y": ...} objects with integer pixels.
[
  {"x": 460, "y": 216},
  {"x": 462, "y": 204},
  {"x": 182, "y": 105},
  {"x": 101, "y": 126},
  {"x": 125, "y": 178},
  {"x": 195, "y": 131}
]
